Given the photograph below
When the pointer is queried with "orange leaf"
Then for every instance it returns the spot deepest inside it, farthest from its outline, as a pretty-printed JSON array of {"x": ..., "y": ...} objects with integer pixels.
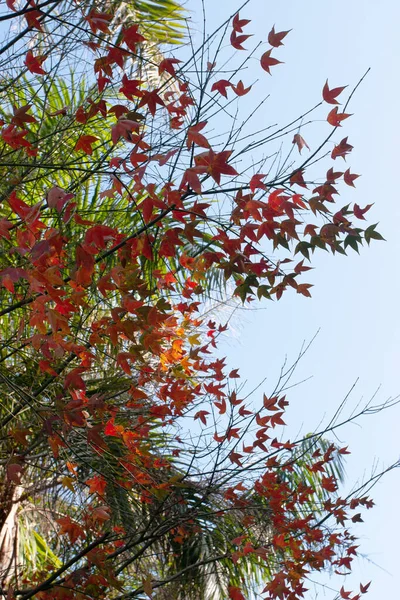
[
  {"x": 85, "y": 142},
  {"x": 240, "y": 90},
  {"x": 334, "y": 118}
]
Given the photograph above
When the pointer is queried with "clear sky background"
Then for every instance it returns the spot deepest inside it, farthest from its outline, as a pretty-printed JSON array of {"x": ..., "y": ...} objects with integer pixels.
[{"x": 355, "y": 300}]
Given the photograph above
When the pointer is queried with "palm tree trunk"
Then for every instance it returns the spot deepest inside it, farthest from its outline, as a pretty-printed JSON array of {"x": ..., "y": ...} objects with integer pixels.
[{"x": 9, "y": 503}]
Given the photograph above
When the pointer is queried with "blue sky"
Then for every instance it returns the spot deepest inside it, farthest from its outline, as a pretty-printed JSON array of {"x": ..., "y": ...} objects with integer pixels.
[{"x": 355, "y": 301}]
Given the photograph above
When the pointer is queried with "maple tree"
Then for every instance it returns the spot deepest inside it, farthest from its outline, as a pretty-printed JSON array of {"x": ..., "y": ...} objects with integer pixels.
[{"x": 123, "y": 206}]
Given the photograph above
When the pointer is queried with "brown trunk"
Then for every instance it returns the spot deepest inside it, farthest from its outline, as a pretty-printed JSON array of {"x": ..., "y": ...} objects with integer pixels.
[{"x": 9, "y": 494}]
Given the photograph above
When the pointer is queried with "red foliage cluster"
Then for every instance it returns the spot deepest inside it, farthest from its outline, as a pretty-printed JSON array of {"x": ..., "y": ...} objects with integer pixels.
[{"x": 150, "y": 326}]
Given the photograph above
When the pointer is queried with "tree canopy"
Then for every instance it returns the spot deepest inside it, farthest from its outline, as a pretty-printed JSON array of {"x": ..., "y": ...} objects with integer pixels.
[{"x": 134, "y": 190}]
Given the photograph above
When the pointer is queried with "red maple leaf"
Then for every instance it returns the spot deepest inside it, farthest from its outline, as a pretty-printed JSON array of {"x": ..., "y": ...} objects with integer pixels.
[
  {"x": 350, "y": 177},
  {"x": 275, "y": 38},
  {"x": 195, "y": 137},
  {"x": 85, "y": 142},
  {"x": 238, "y": 23},
  {"x": 20, "y": 116},
  {"x": 256, "y": 182},
  {"x": 151, "y": 98},
  {"x": 216, "y": 163},
  {"x": 72, "y": 529},
  {"x": 168, "y": 65},
  {"x": 97, "y": 485},
  {"x": 10, "y": 4},
  {"x": 202, "y": 414},
  {"x": 360, "y": 212},
  {"x": 34, "y": 63},
  {"x": 297, "y": 178},
  {"x": 98, "y": 21},
  {"x": 364, "y": 588},
  {"x": 221, "y": 86},
  {"x": 268, "y": 61},
  {"x": 240, "y": 90},
  {"x": 329, "y": 484},
  {"x": 235, "y": 458},
  {"x": 335, "y": 118},
  {"x": 131, "y": 37},
  {"x": 235, "y": 593},
  {"x": 341, "y": 149},
  {"x": 330, "y": 95},
  {"x": 237, "y": 40},
  {"x": 32, "y": 17}
]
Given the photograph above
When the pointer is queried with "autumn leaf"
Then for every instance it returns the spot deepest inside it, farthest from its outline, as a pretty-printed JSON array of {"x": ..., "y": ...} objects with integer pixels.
[
  {"x": 221, "y": 87},
  {"x": 268, "y": 61},
  {"x": 195, "y": 137},
  {"x": 275, "y": 38},
  {"x": 85, "y": 143},
  {"x": 364, "y": 588},
  {"x": 240, "y": 90},
  {"x": 335, "y": 119},
  {"x": 21, "y": 115},
  {"x": 147, "y": 585},
  {"x": 98, "y": 21},
  {"x": 68, "y": 483},
  {"x": 151, "y": 99},
  {"x": 329, "y": 484},
  {"x": 360, "y": 212},
  {"x": 257, "y": 183},
  {"x": 357, "y": 518},
  {"x": 97, "y": 485},
  {"x": 238, "y": 40},
  {"x": 349, "y": 178},
  {"x": 202, "y": 415},
  {"x": 238, "y": 23},
  {"x": 234, "y": 374},
  {"x": 303, "y": 288},
  {"x": 216, "y": 164},
  {"x": 71, "y": 528},
  {"x": 235, "y": 593},
  {"x": 34, "y": 63},
  {"x": 235, "y": 458},
  {"x": 168, "y": 65},
  {"x": 300, "y": 141},
  {"x": 101, "y": 514},
  {"x": 57, "y": 198},
  {"x": 330, "y": 95},
  {"x": 132, "y": 37},
  {"x": 298, "y": 179},
  {"x": 341, "y": 149}
]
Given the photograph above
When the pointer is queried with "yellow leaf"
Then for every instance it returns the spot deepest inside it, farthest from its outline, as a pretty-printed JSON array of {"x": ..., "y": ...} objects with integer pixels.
[
  {"x": 147, "y": 587},
  {"x": 68, "y": 482}
]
